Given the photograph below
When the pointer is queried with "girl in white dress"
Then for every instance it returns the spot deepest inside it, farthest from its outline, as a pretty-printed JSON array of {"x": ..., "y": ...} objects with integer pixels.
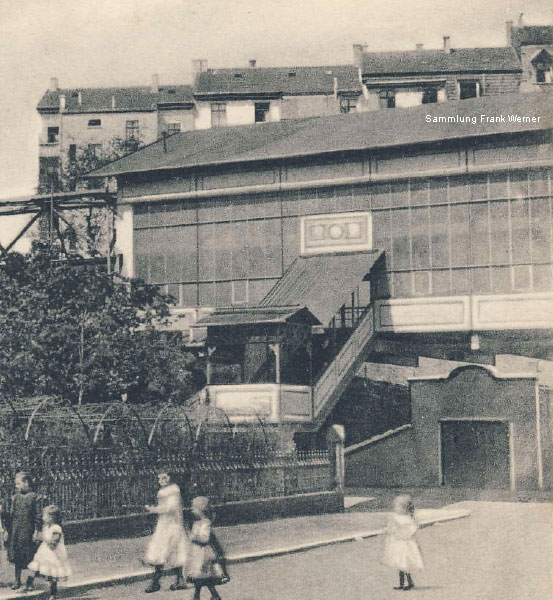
[
  {"x": 401, "y": 550},
  {"x": 169, "y": 543},
  {"x": 50, "y": 559},
  {"x": 206, "y": 567}
]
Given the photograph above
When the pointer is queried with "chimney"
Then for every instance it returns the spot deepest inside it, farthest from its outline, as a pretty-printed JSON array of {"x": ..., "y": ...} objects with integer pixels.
[
  {"x": 419, "y": 46},
  {"x": 53, "y": 84},
  {"x": 335, "y": 86},
  {"x": 155, "y": 83},
  {"x": 509, "y": 32},
  {"x": 80, "y": 97},
  {"x": 447, "y": 44},
  {"x": 113, "y": 103},
  {"x": 253, "y": 63},
  {"x": 358, "y": 50},
  {"x": 62, "y": 102},
  {"x": 520, "y": 23},
  {"x": 199, "y": 65}
]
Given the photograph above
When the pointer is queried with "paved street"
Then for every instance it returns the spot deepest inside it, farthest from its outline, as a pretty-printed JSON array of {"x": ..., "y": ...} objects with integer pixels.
[{"x": 502, "y": 551}]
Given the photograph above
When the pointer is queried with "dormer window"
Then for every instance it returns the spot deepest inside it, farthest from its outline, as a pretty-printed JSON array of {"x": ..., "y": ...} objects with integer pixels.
[
  {"x": 239, "y": 76},
  {"x": 292, "y": 74},
  {"x": 542, "y": 63},
  {"x": 172, "y": 91}
]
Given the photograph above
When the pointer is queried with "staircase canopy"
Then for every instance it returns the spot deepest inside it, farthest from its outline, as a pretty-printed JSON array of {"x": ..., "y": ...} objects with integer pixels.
[
  {"x": 322, "y": 283},
  {"x": 225, "y": 317}
]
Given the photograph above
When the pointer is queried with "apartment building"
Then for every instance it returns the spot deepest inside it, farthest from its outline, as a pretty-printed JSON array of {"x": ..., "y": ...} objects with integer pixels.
[
  {"x": 240, "y": 96},
  {"x": 73, "y": 119},
  {"x": 421, "y": 76}
]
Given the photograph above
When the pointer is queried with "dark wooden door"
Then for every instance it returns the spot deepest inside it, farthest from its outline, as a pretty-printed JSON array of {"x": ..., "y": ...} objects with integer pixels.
[{"x": 475, "y": 454}]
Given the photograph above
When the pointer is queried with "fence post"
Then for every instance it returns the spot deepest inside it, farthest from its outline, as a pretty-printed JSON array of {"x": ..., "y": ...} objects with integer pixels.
[{"x": 336, "y": 437}]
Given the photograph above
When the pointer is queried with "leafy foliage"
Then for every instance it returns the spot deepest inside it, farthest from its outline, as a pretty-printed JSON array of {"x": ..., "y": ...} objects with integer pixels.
[
  {"x": 70, "y": 329},
  {"x": 87, "y": 231}
]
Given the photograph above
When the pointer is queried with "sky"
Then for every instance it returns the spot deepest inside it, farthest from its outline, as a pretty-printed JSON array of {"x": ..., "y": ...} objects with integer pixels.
[{"x": 103, "y": 43}]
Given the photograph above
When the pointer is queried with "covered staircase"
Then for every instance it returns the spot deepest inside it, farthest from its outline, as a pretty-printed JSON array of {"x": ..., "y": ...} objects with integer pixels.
[{"x": 289, "y": 359}]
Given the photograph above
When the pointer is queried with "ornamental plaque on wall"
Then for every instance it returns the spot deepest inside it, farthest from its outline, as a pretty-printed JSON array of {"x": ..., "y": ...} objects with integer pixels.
[{"x": 340, "y": 232}]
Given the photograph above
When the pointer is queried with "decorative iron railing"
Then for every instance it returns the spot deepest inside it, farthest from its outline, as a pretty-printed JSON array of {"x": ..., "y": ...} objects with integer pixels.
[{"x": 103, "y": 483}]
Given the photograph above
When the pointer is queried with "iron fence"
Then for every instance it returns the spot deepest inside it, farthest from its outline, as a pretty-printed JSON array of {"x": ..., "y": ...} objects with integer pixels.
[{"x": 106, "y": 483}]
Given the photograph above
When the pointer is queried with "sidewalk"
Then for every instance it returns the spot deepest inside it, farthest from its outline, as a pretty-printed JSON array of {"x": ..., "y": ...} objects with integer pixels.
[{"x": 111, "y": 562}]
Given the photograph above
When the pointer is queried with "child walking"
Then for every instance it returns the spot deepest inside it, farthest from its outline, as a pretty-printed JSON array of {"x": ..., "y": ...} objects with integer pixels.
[
  {"x": 207, "y": 564},
  {"x": 23, "y": 525},
  {"x": 50, "y": 560},
  {"x": 401, "y": 550},
  {"x": 169, "y": 545}
]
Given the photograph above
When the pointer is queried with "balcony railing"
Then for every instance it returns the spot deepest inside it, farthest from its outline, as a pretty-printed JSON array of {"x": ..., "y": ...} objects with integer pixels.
[{"x": 272, "y": 402}]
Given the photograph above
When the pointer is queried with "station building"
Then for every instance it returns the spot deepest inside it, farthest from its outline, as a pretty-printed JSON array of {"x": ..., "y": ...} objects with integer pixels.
[{"x": 299, "y": 250}]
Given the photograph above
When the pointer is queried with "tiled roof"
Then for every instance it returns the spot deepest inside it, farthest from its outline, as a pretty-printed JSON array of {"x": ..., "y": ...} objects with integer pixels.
[
  {"x": 118, "y": 99},
  {"x": 532, "y": 35},
  {"x": 278, "y": 80},
  {"x": 459, "y": 60},
  {"x": 357, "y": 131},
  {"x": 322, "y": 283}
]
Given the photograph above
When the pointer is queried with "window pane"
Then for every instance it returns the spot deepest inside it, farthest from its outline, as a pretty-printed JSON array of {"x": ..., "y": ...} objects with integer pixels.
[
  {"x": 402, "y": 284},
  {"x": 542, "y": 278},
  {"x": 401, "y": 258},
  {"x": 458, "y": 189},
  {"x": 541, "y": 229},
  {"x": 419, "y": 192},
  {"x": 223, "y": 293},
  {"x": 380, "y": 196},
  {"x": 518, "y": 184},
  {"x": 437, "y": 192},
  {"x": 291, "y": 239},
  {"x": 498, "y": 185},
  {"x": 207, "y": 294},
  {"x": 521, "y": 277},
  {"x": 441, "y": 283},
  {"x": 420, "y": 237},
  {"x": 478, "y": 187},
  {"x": 461, "y": 281},
  {"x": 539, "y": 182},
  {"x": 460, "y": 248},
  {"x": 189, "y": 294},
  {"x": 439, "y": 224},
  {"x": 206, "y": 252},
  {"x": 479, "y": 240},
  {"x": 481, "y": 281},
  {"x": 399, "y": 194},
  {"x": 520, "y": 224},
  {"x": 499, "y": 221},
  {"x": 382, "y": 225},
  {"x": 422, "y": 283},
  {"x": 501, "y": 279}
]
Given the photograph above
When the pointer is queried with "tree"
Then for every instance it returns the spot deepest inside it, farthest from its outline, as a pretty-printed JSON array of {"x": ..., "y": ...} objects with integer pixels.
[
  {"x": 88, "y": 231},
  {"x": 71, "y": 329}
]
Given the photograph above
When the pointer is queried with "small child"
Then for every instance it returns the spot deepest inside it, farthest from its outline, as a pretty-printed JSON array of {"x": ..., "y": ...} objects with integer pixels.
[
  {"x": 50, "y": 560},
  {"x": 169, "y": 545},
  {"x": 22, "y": 521},
  {"x": 401, "y": 550},
  {"x": 207, "y": 564}
]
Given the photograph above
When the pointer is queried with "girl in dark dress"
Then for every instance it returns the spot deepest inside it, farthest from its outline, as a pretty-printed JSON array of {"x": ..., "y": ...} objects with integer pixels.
[{"x": 22, "y": 526}]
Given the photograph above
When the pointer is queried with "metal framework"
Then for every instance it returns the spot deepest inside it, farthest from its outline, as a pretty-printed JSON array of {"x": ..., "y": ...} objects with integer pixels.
[{"x": 50, "y": 207}]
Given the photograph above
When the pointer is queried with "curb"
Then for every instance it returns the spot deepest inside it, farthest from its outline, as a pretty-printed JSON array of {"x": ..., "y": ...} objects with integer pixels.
[{"x": 233, "y": 559}]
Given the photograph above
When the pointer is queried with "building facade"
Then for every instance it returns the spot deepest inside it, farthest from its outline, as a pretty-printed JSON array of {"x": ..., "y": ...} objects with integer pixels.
[
  {"x": 414, "y": 77},
  {"x": 96, "y": 118},
  {"x": 257, "y": 95}
]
